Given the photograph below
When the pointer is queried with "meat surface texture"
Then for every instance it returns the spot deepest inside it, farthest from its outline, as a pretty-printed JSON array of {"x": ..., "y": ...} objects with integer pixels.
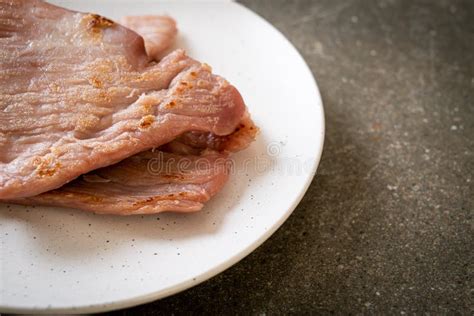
[
  {"x": 180, "y": 177},
  {"x": 79, "y": 93},
  {"x": 149, "y": 182},
  {"x": 158, "y": 32},
  {"x": 243, "y": 135}
]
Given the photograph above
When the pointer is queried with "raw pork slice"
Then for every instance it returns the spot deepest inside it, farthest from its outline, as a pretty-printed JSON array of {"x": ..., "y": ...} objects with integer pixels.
[
  {"x": 149, "y": 182},
  {"x": 158, "y": 32},
  {"x": 162, "y": 184},
  {"x": 243, "y": 135},
  {"x": 78, "y": 92},
  {"x": 180, "y": 177}
]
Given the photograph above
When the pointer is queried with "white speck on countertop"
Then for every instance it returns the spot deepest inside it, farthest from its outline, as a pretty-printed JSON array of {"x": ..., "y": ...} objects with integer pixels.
[{"x": 392, "y": 187}]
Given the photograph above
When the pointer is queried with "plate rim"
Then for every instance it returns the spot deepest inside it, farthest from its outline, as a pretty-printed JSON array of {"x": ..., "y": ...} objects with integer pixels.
[{"x": 208, "y": 274}]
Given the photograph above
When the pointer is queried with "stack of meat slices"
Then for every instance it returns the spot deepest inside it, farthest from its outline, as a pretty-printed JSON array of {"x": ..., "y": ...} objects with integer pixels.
[{"x": 97, "y": 117}]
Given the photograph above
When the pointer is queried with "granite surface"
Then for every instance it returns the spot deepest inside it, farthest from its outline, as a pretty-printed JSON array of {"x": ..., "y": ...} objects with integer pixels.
[{"x": 386, "y": 226}]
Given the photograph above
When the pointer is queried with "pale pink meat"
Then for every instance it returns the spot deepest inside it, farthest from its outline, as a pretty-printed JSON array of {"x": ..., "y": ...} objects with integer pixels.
[
  {"x": 80, "y": 93},
  {"x": 180, "y": 176},
  {"x": 145, "y": 183},
  {"x": 158, "y": 31},
  {"x": 243, "y": 135},
  {"x": 149, "y": 182}
]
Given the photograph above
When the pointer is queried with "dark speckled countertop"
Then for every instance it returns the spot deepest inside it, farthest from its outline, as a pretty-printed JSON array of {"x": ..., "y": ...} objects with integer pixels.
[{"x": 386, "y": 226}]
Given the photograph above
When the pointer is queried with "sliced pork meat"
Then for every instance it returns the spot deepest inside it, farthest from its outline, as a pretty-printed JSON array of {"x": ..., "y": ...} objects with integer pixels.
[
  {"x": 149, "y": 182},
  {"x": 79, "y": 92},
  {"x": 180, "y": 176},
  {"x": 158, "y": 32},
  {"x": 243, "y": 135}
]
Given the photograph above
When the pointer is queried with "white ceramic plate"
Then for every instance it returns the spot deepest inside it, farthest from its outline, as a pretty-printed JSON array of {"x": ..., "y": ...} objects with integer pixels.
[{"x": 62, "y": 260}]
